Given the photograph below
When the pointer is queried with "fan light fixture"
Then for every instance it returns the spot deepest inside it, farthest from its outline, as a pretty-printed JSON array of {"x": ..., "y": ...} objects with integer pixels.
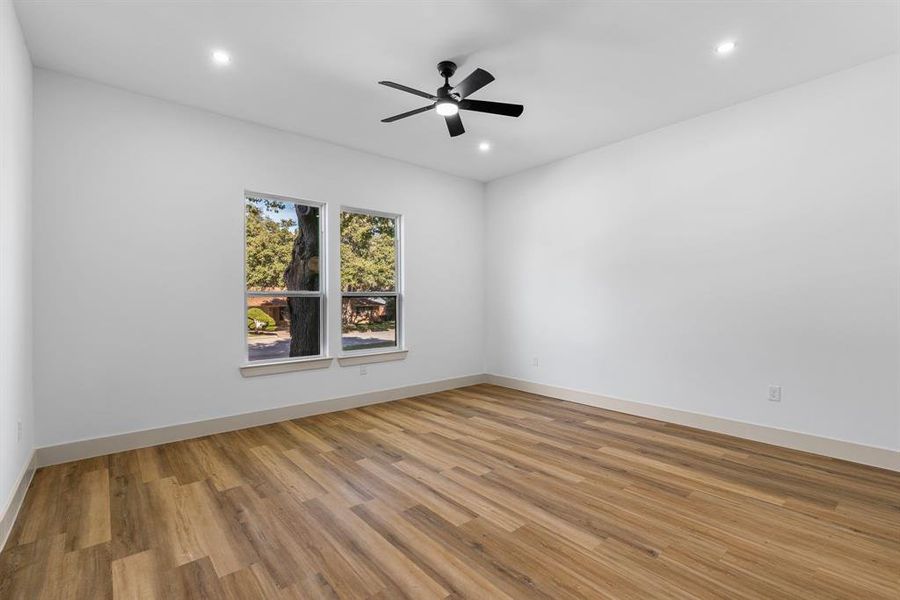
[{"x": 446, "y": 109}]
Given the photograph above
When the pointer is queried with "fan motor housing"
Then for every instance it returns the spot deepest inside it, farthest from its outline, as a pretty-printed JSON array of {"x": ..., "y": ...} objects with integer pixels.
[{"x": 445, "y": 93}]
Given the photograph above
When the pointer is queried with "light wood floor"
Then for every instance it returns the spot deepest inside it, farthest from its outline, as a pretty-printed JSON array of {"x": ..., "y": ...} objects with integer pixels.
[{"x": 482, "y": 492}]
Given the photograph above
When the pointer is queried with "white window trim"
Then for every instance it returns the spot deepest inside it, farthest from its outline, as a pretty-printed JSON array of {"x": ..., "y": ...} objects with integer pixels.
[
  {"x": 295, "y": 363},
  {"x": 398, "y": 351},
  {"x": 362, "y": 357},
  {"x": 284, "y": 366}
]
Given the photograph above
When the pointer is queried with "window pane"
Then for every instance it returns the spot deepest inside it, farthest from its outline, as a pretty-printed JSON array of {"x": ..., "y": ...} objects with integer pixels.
[
  {"x": 282, "y": 327},
  {"x": 368, "y": 253},
  {"x": 282, "y": 245},
  {"x": 368, "y": 322}
]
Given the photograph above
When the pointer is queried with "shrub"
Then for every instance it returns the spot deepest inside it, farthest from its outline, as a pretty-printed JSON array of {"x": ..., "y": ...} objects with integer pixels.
[
  {"x": 257, "y": 314},
  {"x": 383, "y": 325}
]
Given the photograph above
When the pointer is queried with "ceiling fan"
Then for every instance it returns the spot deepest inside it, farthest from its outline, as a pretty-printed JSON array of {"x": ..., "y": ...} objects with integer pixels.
[{"x": 449, "y": 100}]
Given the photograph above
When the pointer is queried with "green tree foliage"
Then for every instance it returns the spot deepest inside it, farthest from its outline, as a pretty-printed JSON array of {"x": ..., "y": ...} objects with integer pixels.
[
  {"x": 269, "y": 244},
  {"x": 368, "y": 255}
]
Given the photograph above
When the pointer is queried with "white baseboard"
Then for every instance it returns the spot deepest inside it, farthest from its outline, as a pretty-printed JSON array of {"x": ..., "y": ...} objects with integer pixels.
[
  {"x": 884, "y": 458},
  {"x": 52, "y": 455},
  {"x": 11, "y": 510}
]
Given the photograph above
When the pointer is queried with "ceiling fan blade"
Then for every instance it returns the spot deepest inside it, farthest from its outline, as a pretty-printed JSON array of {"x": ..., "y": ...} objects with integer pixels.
[
  {"x": 407, "y": 114},
  {"x": 407, "y": 89},
  {"x": 495, "y": 108},
  {"x": 454, "y": 125},
  {"x": 476, "y": 80}
]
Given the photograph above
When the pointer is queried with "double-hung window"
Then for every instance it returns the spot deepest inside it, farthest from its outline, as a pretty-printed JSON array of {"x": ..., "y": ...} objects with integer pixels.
[
  {"x": 284, "y": 275},
  {"x": 370, "y": 281}
]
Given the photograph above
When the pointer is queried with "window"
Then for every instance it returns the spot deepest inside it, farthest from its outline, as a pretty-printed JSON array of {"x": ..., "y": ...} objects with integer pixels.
[
  {"x": 285, "y": 303},
  {"x": 370, "y": 287}
]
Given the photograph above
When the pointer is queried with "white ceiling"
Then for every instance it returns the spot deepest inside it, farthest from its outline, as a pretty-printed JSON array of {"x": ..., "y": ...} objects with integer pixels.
[{"x": 588, "y": 73}]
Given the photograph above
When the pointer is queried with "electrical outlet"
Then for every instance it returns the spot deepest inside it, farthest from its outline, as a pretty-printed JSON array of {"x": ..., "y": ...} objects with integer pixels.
[
  {"x": 18, "y": 431},
  {"x": 363, "y": 369},
  {"x": 774, "y": 393},
  {"x": 535, "y": 362}
]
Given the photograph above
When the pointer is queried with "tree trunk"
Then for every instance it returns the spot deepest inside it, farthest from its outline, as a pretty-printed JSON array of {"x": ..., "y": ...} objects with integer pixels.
[{"x": 303, "y": 274}]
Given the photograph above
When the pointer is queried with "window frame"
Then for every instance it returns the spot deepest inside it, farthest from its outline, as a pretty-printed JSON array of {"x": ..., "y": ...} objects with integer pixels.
[
  {"x": 323, "y": 358},
  {"x": 398, "y": 293}
]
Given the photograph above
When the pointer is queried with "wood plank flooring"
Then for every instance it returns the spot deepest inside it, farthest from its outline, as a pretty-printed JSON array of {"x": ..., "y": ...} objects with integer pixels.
[{"x": 482, "y": 492}]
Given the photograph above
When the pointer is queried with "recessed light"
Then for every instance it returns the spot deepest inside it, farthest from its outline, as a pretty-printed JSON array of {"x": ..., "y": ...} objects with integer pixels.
[
  {"x": 220, "y": 57},
  {"x": 726, "y": 47},
  {"x": 484, "y": 146}
]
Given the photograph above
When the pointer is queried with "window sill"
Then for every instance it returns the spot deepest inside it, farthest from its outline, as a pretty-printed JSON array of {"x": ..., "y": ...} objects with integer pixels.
[
  {"x": 272, "y": 368},
  {"x": 365, "y": 358}
]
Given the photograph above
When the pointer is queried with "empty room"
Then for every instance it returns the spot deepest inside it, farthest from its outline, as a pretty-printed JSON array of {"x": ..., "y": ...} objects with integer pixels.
[{"x": 449, "y": 299}]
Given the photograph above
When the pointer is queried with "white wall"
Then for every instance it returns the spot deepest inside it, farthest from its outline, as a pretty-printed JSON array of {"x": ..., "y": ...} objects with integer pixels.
[
  {"x": 693, "y": 266},
  {"x": 690, "y": 267},
  {"x": 139, "y": 315},
  {"x": 16, "y": 404}
]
